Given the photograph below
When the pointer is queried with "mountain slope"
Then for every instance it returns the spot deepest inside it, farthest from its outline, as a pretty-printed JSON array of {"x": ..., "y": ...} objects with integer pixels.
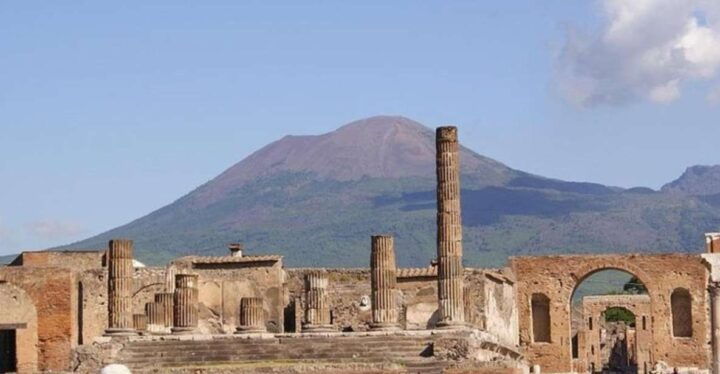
[{"x": 317, "y": 199}]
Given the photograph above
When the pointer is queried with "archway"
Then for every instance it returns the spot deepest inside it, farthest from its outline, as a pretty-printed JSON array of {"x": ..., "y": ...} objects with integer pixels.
[
  {"x": 18, "y": 330},
  {"x": 606, "y": 305}
]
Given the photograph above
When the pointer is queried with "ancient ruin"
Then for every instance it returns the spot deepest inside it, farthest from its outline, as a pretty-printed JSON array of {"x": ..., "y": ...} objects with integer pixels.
[{"x": 77, "y": 311}]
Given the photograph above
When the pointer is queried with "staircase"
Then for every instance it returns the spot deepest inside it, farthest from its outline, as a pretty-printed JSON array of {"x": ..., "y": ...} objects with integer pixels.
[{"x": 390, "y": 353}]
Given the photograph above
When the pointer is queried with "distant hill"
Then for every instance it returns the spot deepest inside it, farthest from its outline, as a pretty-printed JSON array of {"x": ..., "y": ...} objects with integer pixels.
[
  {"x": 317, "y": 199},
  {"x": 696, "y": 180}
]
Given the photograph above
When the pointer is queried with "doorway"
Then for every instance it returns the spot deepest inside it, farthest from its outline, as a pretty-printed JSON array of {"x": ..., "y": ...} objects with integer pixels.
[{"x": 8, "y": 351}]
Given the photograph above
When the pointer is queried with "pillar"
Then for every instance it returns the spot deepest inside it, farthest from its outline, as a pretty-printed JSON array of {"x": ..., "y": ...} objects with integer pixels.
[
  {"x": 185, "y": 314},
  {"x": 166, "y": 305},
  {"x": 715, "y": 325},
  {"x": 252, "y": 316},
  {"x": 449, "y": 230},
  {"x": 317, "y": 308},
  {"x": 383, "y": 282},
  {"x": 140, "y": 322},
  {"x": 155, "y": 317},
  {"x": 712, "y": 242},
  {"x": 120, "y": 283}
]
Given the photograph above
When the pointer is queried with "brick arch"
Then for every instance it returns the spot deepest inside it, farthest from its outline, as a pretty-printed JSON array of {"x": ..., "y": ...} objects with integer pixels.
[
  {"x": 582, "y": 273},
  {"x": 19, "y": 312}
]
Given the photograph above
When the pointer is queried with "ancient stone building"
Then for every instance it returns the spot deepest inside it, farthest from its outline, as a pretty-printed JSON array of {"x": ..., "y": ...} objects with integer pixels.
[{"x": 59, "y": 304}]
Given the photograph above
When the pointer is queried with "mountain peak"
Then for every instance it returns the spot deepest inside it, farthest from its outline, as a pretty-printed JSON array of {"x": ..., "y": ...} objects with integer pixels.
[
  {"x": 374, "y": 147},
  {"x": 696, "y": 180}
]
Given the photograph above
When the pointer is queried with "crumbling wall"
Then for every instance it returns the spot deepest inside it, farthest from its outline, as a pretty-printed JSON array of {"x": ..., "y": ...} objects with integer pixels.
[
  {"x": 75, "y": 260},
  {"x": 558, "y": 276},
  {"x": 53, "y": 294},
  {"x": 19, "y": 313}
]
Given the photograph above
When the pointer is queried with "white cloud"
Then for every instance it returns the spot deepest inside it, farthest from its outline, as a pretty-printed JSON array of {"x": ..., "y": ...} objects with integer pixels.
[
  {"x": 54, "y": 230},
  {"x": 645, "y": 49}
]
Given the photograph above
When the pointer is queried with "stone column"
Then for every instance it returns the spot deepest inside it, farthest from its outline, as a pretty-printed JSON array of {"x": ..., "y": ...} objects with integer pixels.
[
  {"x": 120, "y": 282},
  {"x": 449, "y": 230},
  {"x": 252, "y": 316},
  {"x": 383, "y": 282},
  {"x": 166, "y": 304},
  {"x": 155, "y": 317},
  {"x": 317, "y": 308},
  {"x": 712, "y": 242},
  {"x": 185, "y": 315},
  {"x": 715, "y": 325},
  {"x": 140, "y": 322}
]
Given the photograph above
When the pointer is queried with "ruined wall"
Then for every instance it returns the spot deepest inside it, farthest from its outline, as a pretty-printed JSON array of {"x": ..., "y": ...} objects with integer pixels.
[
  {"x": 74, "y": 260},
  {"x": 221, "y": 287},
  {"x": 594, "y": 308},
  {"x": 54, "y": 294},
  {"x": 19, "y": 313},
  {"x": 490, "y": 299},
  {"x": 93, "y": 310},
  {"x": 558, "y": 276}
]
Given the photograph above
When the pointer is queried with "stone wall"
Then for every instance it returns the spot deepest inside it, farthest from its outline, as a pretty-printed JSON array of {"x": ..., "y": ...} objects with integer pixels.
[
  {"x": 557, "y": 277},
  {"x": 19, "y": 314},
  {"x": 75, "y": 260},
  {"x": 54, "y": 296}
]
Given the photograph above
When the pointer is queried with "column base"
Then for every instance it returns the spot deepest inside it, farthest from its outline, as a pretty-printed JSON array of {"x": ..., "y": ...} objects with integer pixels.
[
  {"x": 117, "y": 331},
  {"x": 318, "y": 328},
  {"x": 451, "y": 325},
  {"x": 250, "y": 330},
  {"x": 183, "y": 330},
  {"x": 384, "y": 327}
]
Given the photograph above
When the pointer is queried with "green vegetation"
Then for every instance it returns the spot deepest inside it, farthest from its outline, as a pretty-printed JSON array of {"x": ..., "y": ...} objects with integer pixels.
[
  {"x": 320, "y": 222},
  {"x": 617, "y": 314}
]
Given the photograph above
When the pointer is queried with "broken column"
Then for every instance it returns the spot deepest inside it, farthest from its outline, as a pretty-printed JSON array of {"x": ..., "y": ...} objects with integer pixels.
[
  {"x": 155, "y": 317},
  {"x": 166, "y": 305},
  {"x": 715, "y": 325},
  {"x": 140, "y": 322},
  {"x": 449, "y": 230},
  {"x": 120, "y": 283},
  {"x": 317, "y": 308},
  {"x": 252, "y": 316},
  {"x": 185, "y": 314},
  {"x": 383, "y": 283}
]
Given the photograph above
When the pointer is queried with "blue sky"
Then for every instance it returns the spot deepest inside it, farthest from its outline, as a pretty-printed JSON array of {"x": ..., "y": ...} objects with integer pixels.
[{"x": 110, "y": 111}]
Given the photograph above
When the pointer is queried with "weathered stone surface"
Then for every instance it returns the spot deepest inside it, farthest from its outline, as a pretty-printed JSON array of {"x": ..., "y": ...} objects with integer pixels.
[
  {"x": 252, "y": 316},
  {"x": 383, "y": 283},
  {"x": 556, "y": 277},
  {"x": 317, "y": 307},
  {"x": 449, "y": 230},
  {"x": 185, "y": 301},
  {"x": 120, "y": 285}
]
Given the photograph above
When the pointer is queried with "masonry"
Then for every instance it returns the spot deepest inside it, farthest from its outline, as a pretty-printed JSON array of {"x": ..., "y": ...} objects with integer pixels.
[{"x": 189, "y": 315}]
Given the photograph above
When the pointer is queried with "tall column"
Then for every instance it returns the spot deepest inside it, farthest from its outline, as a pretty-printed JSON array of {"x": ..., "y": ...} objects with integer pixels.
[
  {"x": 715, "y": 321},
  {"x": 155, "y": 317},
  {"x": 252, "y": 316},
  {"x": 449, "y": 230},
  {"x": 185, "y": 316},
  {"x": 120, "y": 282},
  {"x": 383, "y": 282},
  {"x": 317, "y": 308},
  {"x": 166, "y": 305}
]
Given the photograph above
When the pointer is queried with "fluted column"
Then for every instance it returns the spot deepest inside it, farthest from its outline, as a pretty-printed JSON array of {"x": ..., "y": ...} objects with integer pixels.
[
  {"x": 383, "y": 281},
  {"x": 166, "y": 303},
  {"x": 140, "y": 322},
  {"x": 120, "y": 283},
  {"x": 185, "y": 315},
  {"x": 154, "y": 313},
  {"x": 715, "y": 325},
  {"x": 317, "y": 308},
  {"x": 449, "y": 230},
  {"x": 252, "y": 316}
]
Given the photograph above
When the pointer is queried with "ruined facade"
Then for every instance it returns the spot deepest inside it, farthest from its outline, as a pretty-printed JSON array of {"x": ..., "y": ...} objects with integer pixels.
[{"x": 68, "y": 308}]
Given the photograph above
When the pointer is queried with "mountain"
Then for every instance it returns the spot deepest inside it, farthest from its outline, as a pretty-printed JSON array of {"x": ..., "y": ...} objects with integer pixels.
[
  {"x": 317, "y": 199},
  {"x": 697, "y": 180}
]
